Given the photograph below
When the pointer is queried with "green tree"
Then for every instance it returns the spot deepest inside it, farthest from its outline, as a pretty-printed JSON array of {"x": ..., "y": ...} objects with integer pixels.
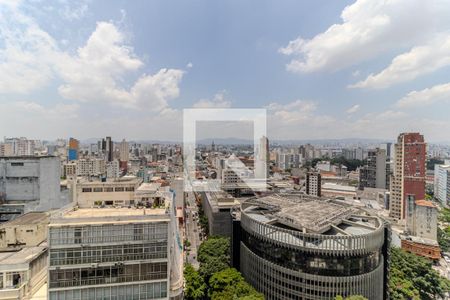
[
  {"x": 229, "y": 284},
  {"x": 212, "y": 265},
  {"x": 214, "y": 246},
  {"x": 195, "y": 287},
  {"x": 412, "y": 277}
]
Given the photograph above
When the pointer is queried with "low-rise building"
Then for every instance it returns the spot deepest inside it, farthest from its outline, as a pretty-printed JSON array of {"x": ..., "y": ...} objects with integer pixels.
[
  {"x": 106, "y": 193},
  {"x": 22, "y": 273},
  {"x": 25, "y": 231}
]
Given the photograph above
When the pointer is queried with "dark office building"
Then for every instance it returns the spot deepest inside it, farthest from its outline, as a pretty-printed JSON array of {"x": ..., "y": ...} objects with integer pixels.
[{"x": 302, "y": 247}]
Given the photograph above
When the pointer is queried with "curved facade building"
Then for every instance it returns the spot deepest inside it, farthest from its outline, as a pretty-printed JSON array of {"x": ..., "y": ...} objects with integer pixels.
[{"x": 300, "y": 247}]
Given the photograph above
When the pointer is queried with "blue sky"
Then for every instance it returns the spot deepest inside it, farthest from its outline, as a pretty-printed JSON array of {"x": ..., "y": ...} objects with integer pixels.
[{"x": 323, "y": 69}]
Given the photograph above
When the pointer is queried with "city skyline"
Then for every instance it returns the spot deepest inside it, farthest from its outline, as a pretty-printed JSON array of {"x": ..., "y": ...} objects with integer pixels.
[{"x": 322, "y": 70}]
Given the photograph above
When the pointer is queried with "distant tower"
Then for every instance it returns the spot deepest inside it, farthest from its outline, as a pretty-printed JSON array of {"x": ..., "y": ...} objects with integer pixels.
[
  {"x": 213, "y": 147},
  {"x": 263, "y": 157},
  {"x": 109, "y": 148},
  {"x": 74, "y": 145}
]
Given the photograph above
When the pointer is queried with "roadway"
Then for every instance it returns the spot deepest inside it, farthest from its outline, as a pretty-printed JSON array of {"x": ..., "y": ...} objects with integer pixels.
[{"x": 192, "y": 229}]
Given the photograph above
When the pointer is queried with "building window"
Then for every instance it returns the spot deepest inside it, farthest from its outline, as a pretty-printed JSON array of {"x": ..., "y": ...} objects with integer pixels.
[
  {"x": 98, "y": 190},
  {"x": 17, "y": 164},
  {"x": 130, "y": 189},
  {"x": 109, "y": 189},
  {"x": 86, "y": 190},
  {"x": 119, "y": 189}
]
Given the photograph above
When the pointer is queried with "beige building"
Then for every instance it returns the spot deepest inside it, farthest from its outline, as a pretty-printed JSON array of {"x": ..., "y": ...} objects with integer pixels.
[
  {"x": 22, "y": 273},
  {"x": 117, "y": 192},
  {"x": 27, "y": 230},
  {"x": 6, "y": 149}
]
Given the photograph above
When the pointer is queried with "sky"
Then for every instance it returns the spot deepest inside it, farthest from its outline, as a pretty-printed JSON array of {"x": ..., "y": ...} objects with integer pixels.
[{"x": 322, "y": 69}]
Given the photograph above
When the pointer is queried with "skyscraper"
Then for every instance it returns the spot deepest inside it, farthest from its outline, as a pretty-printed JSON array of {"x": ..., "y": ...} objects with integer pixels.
[
  {"x": 313, "y": 184},
  {"x": 74, "y": 145},
  {"x": 409, "y": 172},
  {"x": 109, "y": 149},
  {"x": 124, "y": 155},
  {"x": 263, "y": 158}
]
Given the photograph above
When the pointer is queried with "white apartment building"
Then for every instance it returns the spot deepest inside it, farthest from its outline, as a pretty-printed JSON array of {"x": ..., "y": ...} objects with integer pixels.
[
  {"x": 113, "y": 169},
  {"x": 442, "y": 182},
  {"x": 91, "y": 167},
  {"x": 21, "y": 146}
]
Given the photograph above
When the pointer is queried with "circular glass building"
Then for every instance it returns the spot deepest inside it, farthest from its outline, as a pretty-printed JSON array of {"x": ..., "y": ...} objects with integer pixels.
[{"x": 301, "y": 247}]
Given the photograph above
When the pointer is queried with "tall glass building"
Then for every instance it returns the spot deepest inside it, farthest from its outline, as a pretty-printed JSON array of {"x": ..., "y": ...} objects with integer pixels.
[{"x": 302, "y": 247}]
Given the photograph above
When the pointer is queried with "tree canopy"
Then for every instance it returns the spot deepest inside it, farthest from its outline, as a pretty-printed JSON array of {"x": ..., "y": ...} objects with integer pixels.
[
  {"x": 412, "y": 277},
  {"x": 229, "y": 284},
  {"x": 195, "y": 288}
]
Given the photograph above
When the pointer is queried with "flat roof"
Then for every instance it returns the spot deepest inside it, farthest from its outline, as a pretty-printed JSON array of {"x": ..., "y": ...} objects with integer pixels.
[
  {"x": 23, "y": 256},
  {"x": 83, "y": 216},
  {"x": 28, "y": 219},
  {"x": 149, "y": 187},
  {"x": 310, "y": 214}
]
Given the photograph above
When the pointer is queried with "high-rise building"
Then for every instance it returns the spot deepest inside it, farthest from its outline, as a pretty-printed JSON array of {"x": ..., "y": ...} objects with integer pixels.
[
  {"x": 113, "y": 169},
  {"x": 124, "y": 150},
  {"x": 300, "y": 247},
  {"x": 373, "y": 174},
  {"x": 313, "y": 184},
  {"x": 108, "y": 148},
  {"x": 263, "y": 158},
  {"x": 442, "y": 183},
  {"x": 408, "y": 177},
  {"x": 74, "y": 147}
]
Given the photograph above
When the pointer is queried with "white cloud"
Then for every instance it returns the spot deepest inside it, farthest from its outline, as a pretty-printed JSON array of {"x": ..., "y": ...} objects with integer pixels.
[
  {"x": 26, "y": 52},
  {"x": 426, "y": 96},
  {"x": 353, "y": 109},
  {"x": 189, "y": 65},
  {"x": 98, "y": 72},
  {"x": 218, "y": 101},
  {"x": 368, "y": 29},
  {"x": 60, "y": 110},
  {"x": 298, "y": 110},
  {"x": 73, "y": 10},
  {"x": 418, "y": 61}
]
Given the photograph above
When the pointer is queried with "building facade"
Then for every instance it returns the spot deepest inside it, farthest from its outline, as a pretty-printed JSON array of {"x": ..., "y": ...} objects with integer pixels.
[
  {"x": 109, "y": 254},
  {"x": 373, "y": 174},
  {"x": 295, "y": 247},
  {"x": 442, "y": 183},
  {"x": 30, "y": 183},
  {"x": 408, "y": 177},
  {"x": 313, "y": 184}
]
